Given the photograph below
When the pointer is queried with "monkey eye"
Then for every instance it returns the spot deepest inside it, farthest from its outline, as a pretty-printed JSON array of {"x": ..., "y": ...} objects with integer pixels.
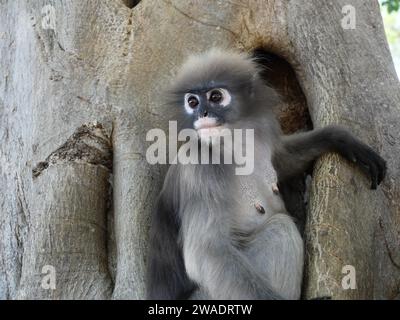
[
  {"x": 193, "y": 102},
  {"x": 219, "y": 96},
  {"x": 216, "y": 96}
]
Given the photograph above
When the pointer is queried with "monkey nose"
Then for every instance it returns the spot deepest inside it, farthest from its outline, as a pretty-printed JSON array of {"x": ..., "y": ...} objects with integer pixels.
[{"x": 205, "y": 113}]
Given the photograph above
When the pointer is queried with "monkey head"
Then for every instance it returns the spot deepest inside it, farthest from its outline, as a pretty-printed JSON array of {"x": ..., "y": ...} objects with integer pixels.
[{"x": 216, "y": 90}]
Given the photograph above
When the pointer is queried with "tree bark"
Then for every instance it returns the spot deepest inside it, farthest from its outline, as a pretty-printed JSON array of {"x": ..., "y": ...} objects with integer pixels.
[{"x": 102, "y": 69}]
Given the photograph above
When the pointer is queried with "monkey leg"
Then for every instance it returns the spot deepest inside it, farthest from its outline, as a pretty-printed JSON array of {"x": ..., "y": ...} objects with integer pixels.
[{"x": 277, "y": 253}]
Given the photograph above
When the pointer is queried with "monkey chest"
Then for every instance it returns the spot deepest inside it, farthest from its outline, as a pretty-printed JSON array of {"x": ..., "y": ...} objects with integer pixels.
[{"x": 258, "y": 196}]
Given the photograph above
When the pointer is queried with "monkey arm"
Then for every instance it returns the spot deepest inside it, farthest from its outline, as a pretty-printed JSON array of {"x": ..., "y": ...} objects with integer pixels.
[
  {"x": 166, "y": 274},
  {"x": 296, "y": 154}
]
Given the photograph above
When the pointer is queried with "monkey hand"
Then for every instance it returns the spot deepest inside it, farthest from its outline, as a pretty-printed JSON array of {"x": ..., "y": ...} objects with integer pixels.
[{"x": 362, "y": 155}]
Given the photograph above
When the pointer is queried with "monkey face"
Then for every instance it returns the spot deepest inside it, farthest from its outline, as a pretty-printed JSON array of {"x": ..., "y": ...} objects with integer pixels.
[
  {"x": 216, "y": 90},
  {"x": 208, "y": 109}
]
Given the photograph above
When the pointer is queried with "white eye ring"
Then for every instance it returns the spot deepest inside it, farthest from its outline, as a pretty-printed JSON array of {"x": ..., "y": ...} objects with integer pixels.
[
  {"x": 226, "y": 97},
  {"x": 188, "y": 109}
]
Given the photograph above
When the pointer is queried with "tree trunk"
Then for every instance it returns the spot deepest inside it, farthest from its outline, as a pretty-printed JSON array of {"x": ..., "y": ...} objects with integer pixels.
[{"x": 80, "y": 89}]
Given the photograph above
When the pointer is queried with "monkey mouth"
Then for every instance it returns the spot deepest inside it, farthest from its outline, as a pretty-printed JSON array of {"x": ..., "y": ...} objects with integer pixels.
[
  {"x": 208, "y": 128},
  {"x": 206, "y": 123}
]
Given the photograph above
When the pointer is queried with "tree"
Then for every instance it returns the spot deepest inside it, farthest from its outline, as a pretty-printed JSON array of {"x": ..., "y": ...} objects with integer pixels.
[
  {"x": 81, "y": 84},
  {"x": 392, "y": 5}
]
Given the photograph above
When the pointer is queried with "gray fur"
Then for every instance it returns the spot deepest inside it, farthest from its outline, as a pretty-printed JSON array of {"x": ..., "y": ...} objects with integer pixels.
[{"x": 208, "y": 240}]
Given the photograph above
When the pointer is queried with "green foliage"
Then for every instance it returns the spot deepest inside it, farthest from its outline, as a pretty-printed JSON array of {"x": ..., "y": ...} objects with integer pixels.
[
  {"x": 392, "y": 30},
  {"x": 392, "y": 5}
]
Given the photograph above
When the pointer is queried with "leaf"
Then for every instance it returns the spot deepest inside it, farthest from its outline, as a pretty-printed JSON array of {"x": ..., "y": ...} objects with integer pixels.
[{"x": 392, "y": 5}]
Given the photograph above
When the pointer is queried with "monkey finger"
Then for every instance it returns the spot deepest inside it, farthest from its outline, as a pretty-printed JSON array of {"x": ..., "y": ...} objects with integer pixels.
[
  {"x": 378, "y": 164},
  {"x": 349, "y": 155},
  {"x": 370, "y": 170},
  {"x": 382, "y": 170},
  {"x": 374, "y": 176}
]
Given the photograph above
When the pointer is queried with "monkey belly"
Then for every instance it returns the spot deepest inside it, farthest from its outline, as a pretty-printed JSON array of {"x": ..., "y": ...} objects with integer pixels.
[
  {"x": 268, "y": 239},
  {"x": 275, "y": 247},
  {"x": 256, "y": 198}
]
